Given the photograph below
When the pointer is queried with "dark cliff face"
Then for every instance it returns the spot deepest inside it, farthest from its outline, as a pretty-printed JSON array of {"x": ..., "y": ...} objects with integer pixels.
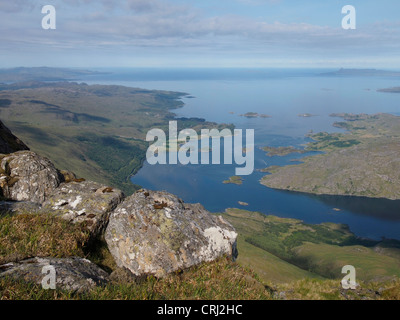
[{"x": 8, "y": 142}]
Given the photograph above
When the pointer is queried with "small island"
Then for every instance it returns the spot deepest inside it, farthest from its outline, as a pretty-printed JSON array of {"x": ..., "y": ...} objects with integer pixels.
[
  {"x": 306, "y": 115},
  {"x": 234, "y": 180},
  {"x": 390, "y": 90},
  {"x": 255, "y": 115},
  {"x": 362, "y": 73}
]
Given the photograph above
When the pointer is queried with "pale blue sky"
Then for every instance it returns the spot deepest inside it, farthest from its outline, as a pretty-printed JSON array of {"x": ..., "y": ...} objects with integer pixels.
[{"x": 200, "y": 33}]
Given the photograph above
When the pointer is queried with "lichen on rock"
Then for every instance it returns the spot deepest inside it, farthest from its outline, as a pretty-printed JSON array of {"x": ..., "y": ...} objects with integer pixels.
[
  {"x": 27, "y": 176},
  {"x": 74, "y": 274},
  {"x": 153, "y": 232},
  {"x": 84, "y": 202}
]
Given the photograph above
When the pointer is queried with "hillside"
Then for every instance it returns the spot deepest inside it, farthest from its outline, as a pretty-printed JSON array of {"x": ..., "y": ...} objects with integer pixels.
[
  {"x": 296, "y": 260},
  {"x": 284, "y": 250},
  {"x": 96, "y": 131}
]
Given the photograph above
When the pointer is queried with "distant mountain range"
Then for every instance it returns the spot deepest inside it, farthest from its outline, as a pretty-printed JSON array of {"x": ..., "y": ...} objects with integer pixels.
[
  {"x": 42, "y": 74},
  {"x": 362, "y": 72}
]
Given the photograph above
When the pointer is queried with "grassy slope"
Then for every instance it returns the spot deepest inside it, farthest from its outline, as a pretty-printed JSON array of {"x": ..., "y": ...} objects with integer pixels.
[
  {"x": 284, "y": 250},
  {"x": 269, "y": 267},
  {"x": 369, "y": 264},
  {"x": 31, "y": 235}
]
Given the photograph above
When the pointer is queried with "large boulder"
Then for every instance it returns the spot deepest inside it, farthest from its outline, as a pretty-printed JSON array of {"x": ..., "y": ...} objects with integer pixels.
[
  {"x": 75, "y": 274},
  {"x": 26, "y": 176},
  {"x": 155, "y": 233},
  {"x": 84, "y": 201}
]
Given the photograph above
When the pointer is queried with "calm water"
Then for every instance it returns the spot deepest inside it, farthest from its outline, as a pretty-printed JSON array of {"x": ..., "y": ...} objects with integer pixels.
[{"x": 283, "y": 94}]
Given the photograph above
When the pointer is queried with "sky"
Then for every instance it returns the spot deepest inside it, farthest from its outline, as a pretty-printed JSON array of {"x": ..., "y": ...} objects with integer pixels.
[{"x": 200, "y": 33}]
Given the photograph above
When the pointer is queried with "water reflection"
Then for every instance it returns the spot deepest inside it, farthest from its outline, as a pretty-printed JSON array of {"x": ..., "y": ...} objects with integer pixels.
[{"x": 373, "y": 207}]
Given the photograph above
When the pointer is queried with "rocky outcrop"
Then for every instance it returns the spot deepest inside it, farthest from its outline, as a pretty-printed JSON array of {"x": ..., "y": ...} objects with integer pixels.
[
  {"x": 156, "y": 233},
  {"x": 26, "y": 176},
  {"x": 74, "y": 274},
  {"x": 36, "y": 186},
  {"x": 148, "y": 233},
  {"x": 85, "y": 202},
  {"x": 8, "y": 142}
]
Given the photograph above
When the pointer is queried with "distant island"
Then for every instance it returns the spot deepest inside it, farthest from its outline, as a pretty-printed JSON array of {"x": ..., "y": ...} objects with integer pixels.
[
  {"x": 255, "y": 115},
  {"x": 342, "y": 169},
  {"x": 234, "y": 180},
  {"x": 362, "y": 72},
  {"x": 306, "y": 115},
  {"x": 390, "y": 90}
]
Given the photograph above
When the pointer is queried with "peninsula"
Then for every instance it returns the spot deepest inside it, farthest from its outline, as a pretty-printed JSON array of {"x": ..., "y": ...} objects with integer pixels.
[
  {"x": 282, "y": 151},
  {"x": 362, "y": 162}
]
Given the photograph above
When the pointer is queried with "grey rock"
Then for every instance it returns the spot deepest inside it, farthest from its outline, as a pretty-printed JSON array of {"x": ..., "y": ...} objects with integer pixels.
[
  {"x": 155, "y": 233},
  {"x": 26, "y": 176},
  {"x": 84, "y": 201},
  {"x": 75, "y": 274}
]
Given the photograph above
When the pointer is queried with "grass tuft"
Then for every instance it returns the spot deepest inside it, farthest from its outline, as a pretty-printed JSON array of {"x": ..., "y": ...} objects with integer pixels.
[{"x": 33, "y": 235}]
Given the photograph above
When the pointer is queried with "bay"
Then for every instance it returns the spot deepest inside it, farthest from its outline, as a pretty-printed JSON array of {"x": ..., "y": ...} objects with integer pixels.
[{"x": 222, "y": 95}]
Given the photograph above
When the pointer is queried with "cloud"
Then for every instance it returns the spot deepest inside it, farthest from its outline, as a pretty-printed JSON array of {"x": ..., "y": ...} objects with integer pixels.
[
  {"x": 17, "y": 6},
  {"x": 133, "y": 26}
]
